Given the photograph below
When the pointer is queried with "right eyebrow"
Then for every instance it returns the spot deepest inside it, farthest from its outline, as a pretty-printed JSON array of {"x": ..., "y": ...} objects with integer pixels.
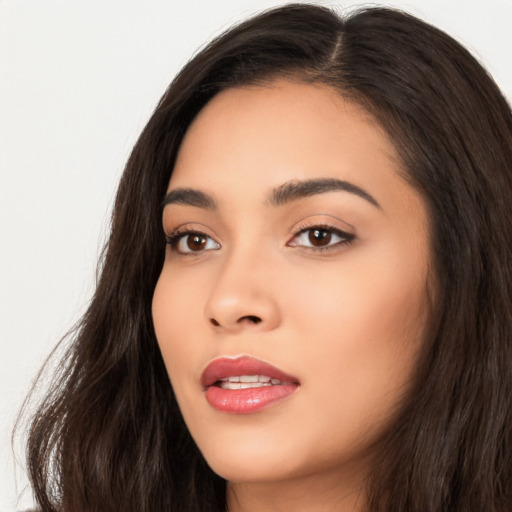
[{"x": 191, "y": 197}]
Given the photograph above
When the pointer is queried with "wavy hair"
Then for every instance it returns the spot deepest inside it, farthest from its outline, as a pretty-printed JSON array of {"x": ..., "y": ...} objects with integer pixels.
[{"x": 109, "y": 434}]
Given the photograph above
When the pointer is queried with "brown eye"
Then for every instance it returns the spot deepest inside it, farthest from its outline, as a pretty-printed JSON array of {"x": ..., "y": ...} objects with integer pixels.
[
  {"x": 192, "y": 242},
  {"x": 319, "y": 237},
  {"x": 196, "y": 242}
]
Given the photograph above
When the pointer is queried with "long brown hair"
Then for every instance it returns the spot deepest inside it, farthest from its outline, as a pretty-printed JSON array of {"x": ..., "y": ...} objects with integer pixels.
[{"x": 109, "y": 434}]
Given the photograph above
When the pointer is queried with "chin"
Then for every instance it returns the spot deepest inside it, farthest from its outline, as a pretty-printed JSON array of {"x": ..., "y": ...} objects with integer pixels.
[
  {"x": 250, "y": 460},
  {"x": 250, "y": 470}
]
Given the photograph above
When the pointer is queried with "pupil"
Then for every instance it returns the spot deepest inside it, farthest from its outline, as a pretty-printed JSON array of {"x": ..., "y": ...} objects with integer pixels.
[
  {"x": 196, "y": 242},
  {"x": 319, "y": 237}
]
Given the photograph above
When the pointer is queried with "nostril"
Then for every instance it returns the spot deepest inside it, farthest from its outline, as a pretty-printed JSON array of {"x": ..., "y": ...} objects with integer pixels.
[{"x": 253, "y": 319}]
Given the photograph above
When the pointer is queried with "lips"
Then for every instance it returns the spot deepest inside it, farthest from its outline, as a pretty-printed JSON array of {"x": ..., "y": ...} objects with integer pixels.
[{"x": 245, "y": 385}]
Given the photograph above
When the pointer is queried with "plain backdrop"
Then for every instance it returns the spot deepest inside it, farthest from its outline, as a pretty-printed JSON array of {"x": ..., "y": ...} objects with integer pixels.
[{"x": 78, "y": 81}]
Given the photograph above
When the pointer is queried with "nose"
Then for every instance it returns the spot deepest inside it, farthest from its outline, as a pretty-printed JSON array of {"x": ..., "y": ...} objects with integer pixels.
[{"x": 243, "y": 297}]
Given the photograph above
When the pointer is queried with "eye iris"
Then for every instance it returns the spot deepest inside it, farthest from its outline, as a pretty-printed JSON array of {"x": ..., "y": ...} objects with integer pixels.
[
  {"x": 319, "y": 237},
  {"x": 196, "y": 242}
]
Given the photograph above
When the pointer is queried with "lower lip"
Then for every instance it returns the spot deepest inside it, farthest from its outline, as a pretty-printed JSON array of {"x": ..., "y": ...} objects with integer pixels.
[{"x": 246, "y": 401}]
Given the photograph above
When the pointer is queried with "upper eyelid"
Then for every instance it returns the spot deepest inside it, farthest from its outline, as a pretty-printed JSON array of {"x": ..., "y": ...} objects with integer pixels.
[
  {"x": 333, "y": 224},
  {"x": 327, "y": 227},
  {"x": 184, "y": 230},
  {"x": 322, "y": 219},
  {"x": 189, "y": 227},
  {"x": 305, "y": 224},
  {"x": 176, "y": 236},
  {"x": 339, "y": 232}
]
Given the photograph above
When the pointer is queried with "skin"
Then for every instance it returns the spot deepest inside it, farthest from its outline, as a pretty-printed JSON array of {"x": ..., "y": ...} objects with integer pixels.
[{"x": 347, "y": 319}]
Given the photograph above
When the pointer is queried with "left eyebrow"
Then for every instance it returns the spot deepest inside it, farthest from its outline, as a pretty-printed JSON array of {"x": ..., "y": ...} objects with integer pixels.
[{"x": 294, "y": 190}]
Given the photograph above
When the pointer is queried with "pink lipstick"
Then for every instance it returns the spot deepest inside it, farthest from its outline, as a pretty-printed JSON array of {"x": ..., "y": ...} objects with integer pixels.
[{"x": 245, "y": 385}]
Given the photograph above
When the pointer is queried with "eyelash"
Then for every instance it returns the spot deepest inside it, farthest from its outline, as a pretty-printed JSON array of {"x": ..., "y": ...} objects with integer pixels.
[
  {"x": 345, "y": 238},
  {"x": 180, "y": 234}
]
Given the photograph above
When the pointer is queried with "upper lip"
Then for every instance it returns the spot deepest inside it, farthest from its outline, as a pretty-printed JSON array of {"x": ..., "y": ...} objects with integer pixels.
[{"x": 224, "y": 367}]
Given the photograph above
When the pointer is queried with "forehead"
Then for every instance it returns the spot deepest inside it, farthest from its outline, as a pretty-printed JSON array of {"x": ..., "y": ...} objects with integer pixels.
[{"x": 255, "y": 138}]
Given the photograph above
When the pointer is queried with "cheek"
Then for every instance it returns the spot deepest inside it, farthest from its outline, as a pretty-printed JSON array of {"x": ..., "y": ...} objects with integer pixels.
[
  {"x": 357, "y": 304},
  {"x": 175, "y": 314},
  {"x": 361, "y": 330}
]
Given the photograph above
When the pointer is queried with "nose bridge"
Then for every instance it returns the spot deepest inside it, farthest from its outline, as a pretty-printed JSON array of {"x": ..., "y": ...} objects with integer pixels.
[{"x": 242, "y": 294}]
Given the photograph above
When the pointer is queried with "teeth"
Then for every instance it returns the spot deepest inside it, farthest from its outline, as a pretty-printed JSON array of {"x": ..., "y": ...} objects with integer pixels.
[
  {"x": 248, "y": 381},
  {"x": 244, "y": 385},
  {"x": 249, "y": 378}
]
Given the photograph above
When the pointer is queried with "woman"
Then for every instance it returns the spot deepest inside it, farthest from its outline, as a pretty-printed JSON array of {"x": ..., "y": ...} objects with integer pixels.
[{"x": 323, "y": 322}]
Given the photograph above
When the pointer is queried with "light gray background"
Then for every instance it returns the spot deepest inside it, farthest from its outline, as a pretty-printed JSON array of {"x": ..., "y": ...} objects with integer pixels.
[{"x": 78, "y": 81}]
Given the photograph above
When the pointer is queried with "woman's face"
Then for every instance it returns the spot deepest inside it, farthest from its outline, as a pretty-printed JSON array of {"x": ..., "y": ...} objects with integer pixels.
[{"x": 292, "y": 303}]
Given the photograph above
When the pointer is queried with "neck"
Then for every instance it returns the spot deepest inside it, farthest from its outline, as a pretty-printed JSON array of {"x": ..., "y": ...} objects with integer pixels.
[{"x": 303, "y": 494}]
